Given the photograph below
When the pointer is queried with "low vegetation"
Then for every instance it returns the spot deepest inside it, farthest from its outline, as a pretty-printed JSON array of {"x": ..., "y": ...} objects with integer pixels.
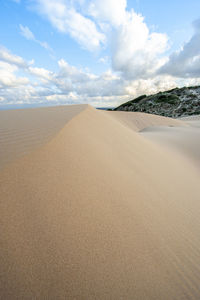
[{"x": 173, "y": 103}]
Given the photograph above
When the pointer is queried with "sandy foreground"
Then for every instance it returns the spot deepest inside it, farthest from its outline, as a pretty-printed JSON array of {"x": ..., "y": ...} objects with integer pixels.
[{"x": 98, "y": 205}]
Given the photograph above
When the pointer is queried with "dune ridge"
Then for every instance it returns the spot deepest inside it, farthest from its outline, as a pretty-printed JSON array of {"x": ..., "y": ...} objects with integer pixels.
[
  {"x": 23, "y": 130},
  {"x": 100, "y": 211}
]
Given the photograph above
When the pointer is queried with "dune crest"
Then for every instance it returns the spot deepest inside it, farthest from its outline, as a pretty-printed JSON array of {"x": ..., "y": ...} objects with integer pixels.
[
  {"x": 24, "y": 130},
  {"x": 100, "y": 211}
]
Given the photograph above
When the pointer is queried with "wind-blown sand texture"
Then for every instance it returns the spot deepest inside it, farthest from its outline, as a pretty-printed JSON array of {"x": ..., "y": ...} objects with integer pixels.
[{"x": 92, "y": 208}]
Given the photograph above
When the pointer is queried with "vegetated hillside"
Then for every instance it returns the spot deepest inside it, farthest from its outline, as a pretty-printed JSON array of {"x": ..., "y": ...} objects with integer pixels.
[{"x": 173, "y": 103}]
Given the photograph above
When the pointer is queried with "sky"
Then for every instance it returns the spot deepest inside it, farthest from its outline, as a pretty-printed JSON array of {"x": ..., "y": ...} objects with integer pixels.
[{"x": 101, "y": 52}]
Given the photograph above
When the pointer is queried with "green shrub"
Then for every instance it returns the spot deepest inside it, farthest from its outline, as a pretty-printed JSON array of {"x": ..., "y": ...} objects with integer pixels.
[
  {"x": 196, "y": 112},
  {"x": 167, "y": 98}
]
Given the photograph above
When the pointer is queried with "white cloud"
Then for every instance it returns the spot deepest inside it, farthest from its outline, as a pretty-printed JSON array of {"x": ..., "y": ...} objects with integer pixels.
[
  {"x": 70, "y": 98},
  {"x": 111, "y": 11},
  {"x": 25, "y": 31},
  {"x": 69, "y": 78},
  {"x": 30, "y": 84},
  {"x": 41, "y": 73},
  {"x": 13, "y": 59},
  {"x": 139, "y": 64},
  {"x": 185, "y": 62},
  {"x": 104, "y": 60},
  {"x": 135, "y": 51},
  {"x": 66, "y": 19},
  {"x": 8, "y": 77},
  {"x": 28, "y": 34},
  {"x": 75, "y": 75},
  {"x": 150, "y": 86}
]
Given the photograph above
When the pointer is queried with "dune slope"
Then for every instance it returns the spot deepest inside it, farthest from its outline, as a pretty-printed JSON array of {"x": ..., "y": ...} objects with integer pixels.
[
  {"x": 99, "y": 212},
  {"x": 138, "y": 121},
  {"x": 183, "y": 140},
  {"x": 23, "y": 130}
]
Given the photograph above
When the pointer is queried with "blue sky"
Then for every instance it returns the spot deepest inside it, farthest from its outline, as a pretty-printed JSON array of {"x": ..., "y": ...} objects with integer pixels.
[{"x": 101, "y": 52}]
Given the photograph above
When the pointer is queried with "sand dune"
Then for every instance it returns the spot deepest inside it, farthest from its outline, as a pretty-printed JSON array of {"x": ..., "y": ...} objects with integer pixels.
[
  {"x": 138, "y": 121},
  {"x": 193, "y": 121},
  {"x": 185, "y": 141},
  {"x": 23, "y": 130},
  {"x": 99, "y": 210}
]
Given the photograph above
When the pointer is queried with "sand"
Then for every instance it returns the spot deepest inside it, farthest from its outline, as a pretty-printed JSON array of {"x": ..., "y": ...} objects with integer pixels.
[
  {"x": 100, "y": 207},
  {"x": 138, "y": 121},
  {"x": 23, "y": 130}
]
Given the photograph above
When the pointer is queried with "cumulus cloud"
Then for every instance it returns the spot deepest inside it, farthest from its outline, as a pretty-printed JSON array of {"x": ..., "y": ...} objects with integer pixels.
[
  {"x": 40, "y": 72},
  {"x": 139, "y": 65},
  {"x": 75, "y": 74},
  {"x": 23, "y": 82},
  {"x": 28, "y": 34},
  {"x": 8, "y": 77},
  {"x": 136, "y": 51},
  {"x": 150, "y": 86},
  {"x": 10, "y": 58},
  {"x": 13, "y": 81},
  {"x": 69, "y": 84},
  {"x": 64, "y": 17},
  {"x": 29, "y": 84},
  {"x": 185, "y": 62},
  {"x": 111, "y": 11},
  {"x": 69, "y": 78}
]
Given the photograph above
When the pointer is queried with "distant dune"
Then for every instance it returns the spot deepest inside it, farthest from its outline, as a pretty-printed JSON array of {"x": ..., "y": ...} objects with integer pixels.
[{"x": 98, "y": 205}]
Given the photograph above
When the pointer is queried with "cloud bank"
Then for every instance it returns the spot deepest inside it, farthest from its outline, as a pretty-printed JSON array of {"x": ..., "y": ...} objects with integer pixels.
[
  {"x": 185, "y": 62},
  {"x": 139, "y": 64},
  {"x": 23, "y": 82}
]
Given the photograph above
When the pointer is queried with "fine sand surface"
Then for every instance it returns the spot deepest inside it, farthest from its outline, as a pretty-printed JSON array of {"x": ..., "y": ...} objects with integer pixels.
[
  {"x": 138, "y": 121},
  {"x": 185, "y": 141},
  {"x": 193, "y": 121},
  {"x": 100, "y": 207},
  {"x": 23, "y": 130}
]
